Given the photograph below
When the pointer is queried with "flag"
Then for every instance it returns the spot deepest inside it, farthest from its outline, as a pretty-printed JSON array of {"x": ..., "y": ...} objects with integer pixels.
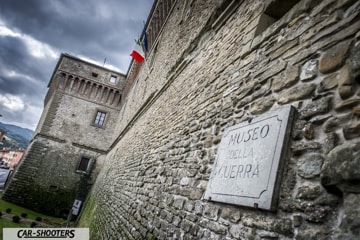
[
  {"x": 145, "y": 41},
  {"x": 138, "y": 53}
]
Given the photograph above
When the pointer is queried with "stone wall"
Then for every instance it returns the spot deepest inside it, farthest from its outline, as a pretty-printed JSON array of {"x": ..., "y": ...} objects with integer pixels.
[
  {"x": 208, "y": 72},
  {"x": 46, "y": 180},
  {"x": 72, "y": 120}
]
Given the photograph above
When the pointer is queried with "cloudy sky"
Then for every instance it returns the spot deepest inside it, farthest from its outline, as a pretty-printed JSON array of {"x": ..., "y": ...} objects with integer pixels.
[{"x": 33, "y": 34}]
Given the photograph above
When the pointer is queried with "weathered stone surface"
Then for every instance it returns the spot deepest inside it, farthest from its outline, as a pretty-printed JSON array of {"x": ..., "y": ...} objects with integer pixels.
[
  {"x": 313, "y": 234},
  {"x": 310, "y": 165},
  {"x": 316, "y": 214},
  {"x": 356, "y": 111},
  {"x": 328, "y": 199},
  {"x": 309, "y": 70},
  {"x": 334, "y": 57},
  {"x": 301, "y": 147},
  {"x": 347, "y": 104},
  {"x": 297, "y": 220},
  {"x": 211, "y": 212},
  {"x": 330, "y": 142},
  {"x": 287, "y": 205},
  {"x": 286, "y": 79},
  {"x": 309, "y": 191},
  {"x": 319, "y": 106},
  {"x": 309, "y": 131},
  {"x": 334, "y": 123},
  {"x": 240, "y": 231},
  {"x": 346, "y": 84},
  {"x": 355, "y": 62},
  {"x": 296, "y": 93},
  {"x": 350, "y": 224},
  {"x": 329, "y": 82},
  {"x": 262, "y": 105},
  {"x": 282, "y": 226},
  {"x": 231, "y": 214},
  {"x": 272, "y": 70},
  {"x": 340, "y": 170},
  {"x": 352, "y": 131},
  {"x": 288, "y": 183},
  {"x": 346, "y": 91}
]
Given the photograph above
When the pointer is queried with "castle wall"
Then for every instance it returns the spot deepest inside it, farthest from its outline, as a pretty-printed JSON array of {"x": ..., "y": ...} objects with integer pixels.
[
  {"x": 73, "y": 120},
  {"x": 209, "y": 73},
  {"x": 47, "y": 180},
  {"x": 64, "y": 157}
]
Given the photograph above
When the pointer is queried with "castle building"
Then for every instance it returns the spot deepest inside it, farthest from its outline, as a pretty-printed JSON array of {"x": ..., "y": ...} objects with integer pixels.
[
  {"x": 243, "y": 123},
  {"x": 10, "y": 158},
  {"x": 81, "y": 110}
]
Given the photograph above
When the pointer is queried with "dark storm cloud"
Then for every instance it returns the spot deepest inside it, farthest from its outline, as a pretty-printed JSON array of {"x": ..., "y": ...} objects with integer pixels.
[
  {"x": 102, "y": 29},
  {"x": 16, "y": 58},
  {"x": 33, "y": 33}
]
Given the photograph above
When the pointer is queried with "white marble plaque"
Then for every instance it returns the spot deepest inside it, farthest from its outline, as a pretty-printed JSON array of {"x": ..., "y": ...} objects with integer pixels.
[{"x": 249, "y": 160}]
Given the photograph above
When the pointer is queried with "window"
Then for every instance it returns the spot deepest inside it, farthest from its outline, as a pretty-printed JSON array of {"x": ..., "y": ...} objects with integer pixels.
[
  {"x": 94, "y": 74},
  {"x": 100, "y": 118},
  {"x": 113, "y": 79},
  {"x": 83, "y": 164},
  {"x": 273, "y": 12}
]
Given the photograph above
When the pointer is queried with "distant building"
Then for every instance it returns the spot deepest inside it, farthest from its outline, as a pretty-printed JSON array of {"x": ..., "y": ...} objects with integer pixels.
[
  {"x": 10, "y": 158},
  {"x": 76, "y": 127}
]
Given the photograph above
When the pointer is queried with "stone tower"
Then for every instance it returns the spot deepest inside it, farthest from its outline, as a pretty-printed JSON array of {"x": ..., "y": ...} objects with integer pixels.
[{"x": 81, "y": 109}]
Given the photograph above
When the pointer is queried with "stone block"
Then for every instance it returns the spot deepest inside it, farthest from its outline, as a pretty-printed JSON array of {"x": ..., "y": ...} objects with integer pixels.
[
  {"x": 352, "y": 131},
  {"x": 211, "y": 212},
  {"x": 309, "y": 70},
  {"x": 334, "y": 57},
  {"x": 241, "y": 232},
  {"x": 316, "y": 107},
  {"x": 341, "y": 171},
  {"x": 297, "y": 93},
  {"x": 345, "y": 81},
  {"x": 262, "y": 105},
  {"x": 330, "y": 142},
  {"x": 350, "y": 223},
  {"x": 309, "y": 131},
  {"x": 349, "y": 103},
  {"x": 354, "y": 62},
  {"x": 309, "y": 191},
  {"x": 286, "y": 79},
  {"x": 329, "y": 82},
  {"x": 302, "y": 147},
  {"x": 178, "y": 203},
  {"x": 310, "y": 165},
  {"x": 316, "y": 214},
  {"x": 310, "y": 233}
]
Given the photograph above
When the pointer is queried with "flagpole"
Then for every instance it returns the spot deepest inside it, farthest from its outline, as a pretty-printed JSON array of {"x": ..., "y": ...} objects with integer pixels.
[{"x": 145, "y": 45}]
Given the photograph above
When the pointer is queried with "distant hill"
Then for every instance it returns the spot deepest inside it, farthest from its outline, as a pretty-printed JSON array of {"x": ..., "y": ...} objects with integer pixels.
[{"x": 15, "y": 136}]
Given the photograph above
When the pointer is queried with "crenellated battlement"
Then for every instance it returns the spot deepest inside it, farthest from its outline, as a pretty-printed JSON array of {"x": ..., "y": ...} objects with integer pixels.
[{"x": 87, "y": 81}]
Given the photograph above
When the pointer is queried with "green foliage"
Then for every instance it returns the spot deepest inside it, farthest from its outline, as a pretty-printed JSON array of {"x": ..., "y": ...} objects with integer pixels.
[
  {"x": 8, "y": 210},
  {"x": 16, "y": 219},
  {"x": 5, "y": 223},
  {"x": 24, "y": 215},
  {"x": 33, "y": 224},
  {"x": 17, "y": 210},
  {"x": 39, "y": 219},
  {"x": 16, "y": 137},
  {"x": 87, "y": 213}
]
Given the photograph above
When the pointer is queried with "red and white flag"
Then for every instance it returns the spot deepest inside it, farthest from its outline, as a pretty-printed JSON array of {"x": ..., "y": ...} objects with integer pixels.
[{"x": 138, "y": 52}]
